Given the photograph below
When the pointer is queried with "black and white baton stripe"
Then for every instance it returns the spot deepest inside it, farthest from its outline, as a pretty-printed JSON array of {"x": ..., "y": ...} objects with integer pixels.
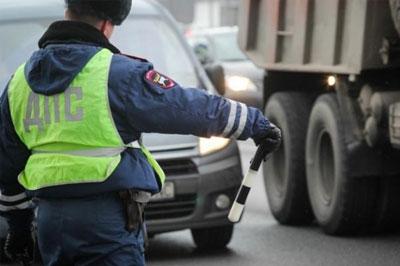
[
  {"x": 238, "y": 204},
  {"x": 241, "y": 197}
]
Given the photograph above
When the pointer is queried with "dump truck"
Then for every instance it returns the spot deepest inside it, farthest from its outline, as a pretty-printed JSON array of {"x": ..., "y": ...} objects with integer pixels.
[{"x": 332, "y": 84}]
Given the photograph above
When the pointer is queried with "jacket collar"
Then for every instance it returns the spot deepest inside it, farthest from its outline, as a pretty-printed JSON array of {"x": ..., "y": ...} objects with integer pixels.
[{"x": 75, "y": 32}]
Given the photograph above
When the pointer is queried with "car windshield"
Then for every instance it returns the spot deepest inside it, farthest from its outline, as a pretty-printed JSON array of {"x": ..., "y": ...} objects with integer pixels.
[
  {"x": 226, "y": 47},
  {"x": 146, "y": 37},
  {"x": 153, "y": 39}
]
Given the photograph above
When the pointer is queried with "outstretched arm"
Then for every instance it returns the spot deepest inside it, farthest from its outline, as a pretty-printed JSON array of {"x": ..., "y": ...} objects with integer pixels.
[{"x": 159, "y": 104}]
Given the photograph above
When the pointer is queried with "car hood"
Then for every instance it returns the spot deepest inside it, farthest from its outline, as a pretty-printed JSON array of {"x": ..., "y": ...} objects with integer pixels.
[{"x": 167, "y": 146}]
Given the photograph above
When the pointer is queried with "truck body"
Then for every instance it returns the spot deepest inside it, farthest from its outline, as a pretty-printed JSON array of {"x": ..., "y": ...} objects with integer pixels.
[
  {"x": 333, "y": 36},
  {"x": 332, "y": 84}
]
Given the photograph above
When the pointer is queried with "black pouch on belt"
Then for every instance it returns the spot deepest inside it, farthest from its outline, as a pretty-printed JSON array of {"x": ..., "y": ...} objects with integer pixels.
[{"x": 134, "y": 202}]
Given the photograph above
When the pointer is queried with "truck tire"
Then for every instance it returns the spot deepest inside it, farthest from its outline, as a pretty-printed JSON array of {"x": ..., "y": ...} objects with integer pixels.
[
  {"x": 341, "y": 205},
  {"x": 395, "y": 7},
  {"x": 213, "y": 238},
  {"x": 284, "y": 173}
]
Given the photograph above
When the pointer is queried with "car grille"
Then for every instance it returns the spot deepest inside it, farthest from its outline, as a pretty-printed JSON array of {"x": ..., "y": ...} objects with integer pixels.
[
  {"x": 178, "y": 167},
  {"x": 181, "y": 206}
]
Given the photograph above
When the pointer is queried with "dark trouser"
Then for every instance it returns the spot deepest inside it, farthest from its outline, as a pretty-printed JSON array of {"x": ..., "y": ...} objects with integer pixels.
[{"x": 87, "y": 231}]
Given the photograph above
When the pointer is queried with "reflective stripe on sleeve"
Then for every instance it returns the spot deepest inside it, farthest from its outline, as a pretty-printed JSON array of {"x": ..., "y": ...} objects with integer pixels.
[
  {"x": 231, "y": 119},
  {"x": 13, "y": 198},
  {"x": 242, "y": 121},
  {"x": 21, "y": 206}
]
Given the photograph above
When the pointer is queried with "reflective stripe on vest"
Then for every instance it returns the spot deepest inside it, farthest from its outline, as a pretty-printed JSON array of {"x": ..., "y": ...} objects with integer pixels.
[
  {"x": 102, "y": 152},
  {"x": 72, "y": 135}
]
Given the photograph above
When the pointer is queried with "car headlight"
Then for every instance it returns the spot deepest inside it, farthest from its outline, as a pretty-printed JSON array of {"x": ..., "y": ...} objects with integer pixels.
[
  {"x": 239, "y": 83},
  {"x": 213, "y": 144}
]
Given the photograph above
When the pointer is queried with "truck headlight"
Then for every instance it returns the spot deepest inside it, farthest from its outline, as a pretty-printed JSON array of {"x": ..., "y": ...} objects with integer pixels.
[
  {"x": 239, "y": 83},
  {"x": 213, "y": 144}
]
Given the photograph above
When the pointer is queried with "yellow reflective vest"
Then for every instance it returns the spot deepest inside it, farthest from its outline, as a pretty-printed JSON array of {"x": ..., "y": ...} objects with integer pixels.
[{"x": 72, "y": 135}]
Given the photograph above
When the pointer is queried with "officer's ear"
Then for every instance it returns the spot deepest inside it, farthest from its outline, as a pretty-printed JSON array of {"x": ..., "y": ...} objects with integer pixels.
[{"x": 107, "y": 28}]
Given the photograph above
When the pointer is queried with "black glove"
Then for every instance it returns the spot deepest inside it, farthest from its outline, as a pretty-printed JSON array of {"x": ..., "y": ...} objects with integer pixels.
[
  {"x": 271, "y": 140},
  {"x": 19, "y": 246}
]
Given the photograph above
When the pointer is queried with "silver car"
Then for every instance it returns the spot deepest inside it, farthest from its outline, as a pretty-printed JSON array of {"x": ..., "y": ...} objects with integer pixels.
[
  {"x": 243, "y": 79},
  {"x": 203, "y": 175}
]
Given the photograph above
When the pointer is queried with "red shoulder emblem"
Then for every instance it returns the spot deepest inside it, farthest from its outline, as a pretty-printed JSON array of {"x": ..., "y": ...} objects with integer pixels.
[{"x": 159, "y": 80}]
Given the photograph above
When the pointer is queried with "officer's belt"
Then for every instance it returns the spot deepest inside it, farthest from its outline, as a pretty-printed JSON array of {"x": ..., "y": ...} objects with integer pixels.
[{"x": 97, "y": 152}]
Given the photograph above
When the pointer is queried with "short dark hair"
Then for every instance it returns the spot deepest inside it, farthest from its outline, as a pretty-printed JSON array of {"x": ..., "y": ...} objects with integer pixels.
[{"x": 81, "y": 15}]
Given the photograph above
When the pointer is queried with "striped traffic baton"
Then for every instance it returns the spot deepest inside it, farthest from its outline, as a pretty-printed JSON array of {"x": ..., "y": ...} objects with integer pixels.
[{"x": 240, "y": 200}]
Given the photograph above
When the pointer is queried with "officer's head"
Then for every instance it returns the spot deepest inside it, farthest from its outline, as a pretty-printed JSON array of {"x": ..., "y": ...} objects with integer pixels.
[{"x": 103, "y": 14}]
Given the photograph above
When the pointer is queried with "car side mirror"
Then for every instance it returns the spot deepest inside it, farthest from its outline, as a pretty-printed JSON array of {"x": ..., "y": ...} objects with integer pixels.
[
  {"x": 216, "y": 74},
  {"x": 202, "y": 52}
]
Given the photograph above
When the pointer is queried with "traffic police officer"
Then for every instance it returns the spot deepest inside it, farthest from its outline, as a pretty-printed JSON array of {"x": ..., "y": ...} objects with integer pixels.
[{"x": 69, "y": 120}]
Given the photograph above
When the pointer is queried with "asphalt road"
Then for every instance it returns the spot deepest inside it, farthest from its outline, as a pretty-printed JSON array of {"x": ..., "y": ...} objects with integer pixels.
[{"x": 259, "y": 240}]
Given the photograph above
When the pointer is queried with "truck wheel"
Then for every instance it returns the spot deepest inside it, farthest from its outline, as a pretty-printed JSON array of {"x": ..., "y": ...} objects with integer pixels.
[
  {"x": 212, "y": 238},
  {"x": 395, "y": 7},
  {"x": 341, "y": 205},
  {"x": 284, "y": 173}
]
